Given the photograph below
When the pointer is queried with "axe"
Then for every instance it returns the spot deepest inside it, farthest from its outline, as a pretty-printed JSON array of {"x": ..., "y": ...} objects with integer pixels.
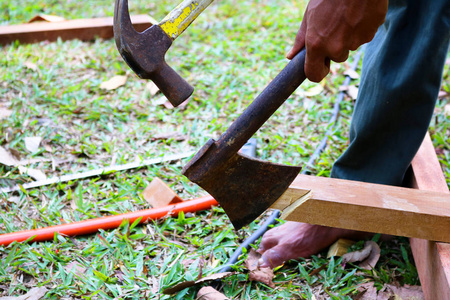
[
  {"x": 245, "y": 187},
  {"x": 144, "y": 51}
]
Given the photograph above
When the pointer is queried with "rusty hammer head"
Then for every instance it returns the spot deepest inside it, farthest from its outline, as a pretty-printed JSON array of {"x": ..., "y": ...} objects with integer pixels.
[{"x": 144, "y": 53}]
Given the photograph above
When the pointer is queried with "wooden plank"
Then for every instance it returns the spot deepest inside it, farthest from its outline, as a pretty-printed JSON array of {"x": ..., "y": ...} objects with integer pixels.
[
  {"x": 367, "y": 207},
  {"x": 83, "y": 29},
  {"x": 432, "y": 259}
]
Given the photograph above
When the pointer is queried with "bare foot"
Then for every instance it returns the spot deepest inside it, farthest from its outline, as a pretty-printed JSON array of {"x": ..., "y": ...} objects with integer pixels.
[{"x": 294, "y": 240}]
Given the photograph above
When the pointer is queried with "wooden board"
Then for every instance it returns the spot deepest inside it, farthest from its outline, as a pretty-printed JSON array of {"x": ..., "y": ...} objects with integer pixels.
[
  {"x": 367, "y": 207},
  {"x": 432, "y": 259},
  {"x": 83, "y": 29}
]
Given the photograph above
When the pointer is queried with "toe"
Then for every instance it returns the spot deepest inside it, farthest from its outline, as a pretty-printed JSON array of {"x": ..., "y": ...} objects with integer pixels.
[{"x": 271, "y": 258}]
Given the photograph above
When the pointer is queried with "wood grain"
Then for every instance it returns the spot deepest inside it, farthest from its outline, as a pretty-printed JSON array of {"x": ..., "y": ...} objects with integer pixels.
[
  {"x": 369, "y": 207},
  {"x": 432, "y": 259},
  {"x": 83, "y": 29}
]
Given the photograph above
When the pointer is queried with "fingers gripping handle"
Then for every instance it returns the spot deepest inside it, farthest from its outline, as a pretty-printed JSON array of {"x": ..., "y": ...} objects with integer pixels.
[{"x": 172, "y": 85}]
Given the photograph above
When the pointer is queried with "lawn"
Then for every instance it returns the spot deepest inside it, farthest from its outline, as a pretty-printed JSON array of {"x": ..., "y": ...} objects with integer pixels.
[{"x": 52, "y": 91}]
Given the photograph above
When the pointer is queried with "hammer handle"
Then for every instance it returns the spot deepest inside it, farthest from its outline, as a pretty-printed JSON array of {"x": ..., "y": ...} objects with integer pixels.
[
  {"x": 182, "y": 16},
  {"x": 263, "y": 107}
]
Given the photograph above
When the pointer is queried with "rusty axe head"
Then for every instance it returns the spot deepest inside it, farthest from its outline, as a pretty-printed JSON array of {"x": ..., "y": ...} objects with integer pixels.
[
  {"x": 245, "y": 187},
  {"x": 144, "y": 53}
]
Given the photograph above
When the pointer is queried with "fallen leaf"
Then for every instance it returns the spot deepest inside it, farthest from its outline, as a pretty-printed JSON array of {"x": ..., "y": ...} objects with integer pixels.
[
  {"x": 407, "y": 292},
  {"x": 152, "y": 88},
  {"x": 176, "y": 136},
  {"x": 352, "y": 74},
  {"x": 264, "y": 275},
  {"x": 367, "y": 291},
  {"x": 76, "y": 268},
  {"x": 368, "y": 256},
  {"x": 209, "y": 293},
  {"x": 169, "y": 105},
  {"x": 370, "y": 262},
  {"x": 4, "y": 112},
  {"x": 30, "y": 65},
  {"x": 442, "y": 94},
  {"x": 6, "y": 158},
  {"x": 447, "y": 110},
  {"x": 314, "y": 91},
  {"x": 114, "y": 82},
  {"x": 185, "y": 284},
  {"x": 32, "y": 143},
  {"x": 351, "y": 90},
  {"x": 34, "y": 173},
  {"x": 33, "y": 294}
]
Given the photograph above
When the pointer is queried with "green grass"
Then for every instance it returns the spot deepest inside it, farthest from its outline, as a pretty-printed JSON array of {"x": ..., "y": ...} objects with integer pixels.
[{"x": 229, "y": 54}]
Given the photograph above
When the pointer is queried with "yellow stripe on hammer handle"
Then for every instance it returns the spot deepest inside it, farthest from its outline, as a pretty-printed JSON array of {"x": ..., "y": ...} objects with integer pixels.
[{"x": 182, "y": 16}]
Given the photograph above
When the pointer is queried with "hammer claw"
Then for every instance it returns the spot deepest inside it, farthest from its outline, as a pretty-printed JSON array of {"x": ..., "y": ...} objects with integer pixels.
[{"x": 144, "y": 53}]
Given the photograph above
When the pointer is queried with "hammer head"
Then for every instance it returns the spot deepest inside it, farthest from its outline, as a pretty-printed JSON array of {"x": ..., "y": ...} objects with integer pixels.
[
  {"x": 144, "y": 53},
  {"x": 244, "y": 187}
]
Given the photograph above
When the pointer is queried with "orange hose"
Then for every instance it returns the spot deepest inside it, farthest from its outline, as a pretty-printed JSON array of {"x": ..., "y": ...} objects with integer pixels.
[{"x": 109, "y": 222}]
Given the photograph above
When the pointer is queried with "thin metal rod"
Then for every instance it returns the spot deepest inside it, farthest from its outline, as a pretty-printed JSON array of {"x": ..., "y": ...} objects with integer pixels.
[{"x": 97, "y": 172}]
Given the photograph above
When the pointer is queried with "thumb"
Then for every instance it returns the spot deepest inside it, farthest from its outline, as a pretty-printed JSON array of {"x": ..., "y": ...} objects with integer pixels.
[
  {"x": 299, "y": 42},
  {"x": 271, "y": 258}
]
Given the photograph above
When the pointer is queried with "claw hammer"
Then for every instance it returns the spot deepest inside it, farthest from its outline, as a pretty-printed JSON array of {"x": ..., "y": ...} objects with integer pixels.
[{"x": 144, "y": 51}]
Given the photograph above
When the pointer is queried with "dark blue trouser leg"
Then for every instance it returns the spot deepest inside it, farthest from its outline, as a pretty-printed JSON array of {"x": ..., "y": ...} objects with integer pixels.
[{"x": 401, "y": 77}]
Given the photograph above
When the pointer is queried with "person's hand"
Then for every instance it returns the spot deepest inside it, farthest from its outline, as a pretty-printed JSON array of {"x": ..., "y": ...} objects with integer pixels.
[{"x": 331, "y": 28}]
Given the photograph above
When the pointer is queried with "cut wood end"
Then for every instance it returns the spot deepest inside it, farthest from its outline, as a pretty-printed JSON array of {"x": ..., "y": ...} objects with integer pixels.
[{"x": 295, "y": 204}]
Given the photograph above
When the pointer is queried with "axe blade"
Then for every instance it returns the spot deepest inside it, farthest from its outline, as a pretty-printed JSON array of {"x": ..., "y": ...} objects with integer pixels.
[{"x": 245, "y": 187}]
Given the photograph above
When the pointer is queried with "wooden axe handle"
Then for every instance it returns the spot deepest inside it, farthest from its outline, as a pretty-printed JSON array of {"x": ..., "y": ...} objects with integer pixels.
[{"x": 263, "y": 107}]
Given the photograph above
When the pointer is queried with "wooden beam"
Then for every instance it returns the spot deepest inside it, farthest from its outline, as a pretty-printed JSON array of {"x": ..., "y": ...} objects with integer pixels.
[
  {"x": 83, "y": 29},
  {"x": 367, "y": 207},
  {"x": 432, "y": 259}
]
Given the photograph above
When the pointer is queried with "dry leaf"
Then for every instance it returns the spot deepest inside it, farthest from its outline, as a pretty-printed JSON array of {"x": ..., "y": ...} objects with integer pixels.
[
  {"x": 370, "y": 262},
  {"x": 6, "y": 158},
  {"x": 185, "y": 284},
  {"x": 4, "y": 112},
  {"x": 34, "y": 294},
  {"x": 34, "y": 173},
  {"x": 32, "y": 143},
  {"x": 352, "y": 74},
  {"x": 209, "y": 293},
  {"x": 176, "y": 136},
  {"x": 442, "y": 94},
  {"x": 447, "y": 110},
  {"x": 368, "y": 256},
  {"x": 407, "y": 292},
  {"x": 264, "y": 275},
  {"x": 114, "y": 82},
  {"x": 152, "y": 88},
  {"x": 368, "y": 291},
  {"x": 76, "y": 268},
  {"x": 314, "y": 91},
  {"x": 352, "y": 91},
  {"x": 31, "y": 66}
]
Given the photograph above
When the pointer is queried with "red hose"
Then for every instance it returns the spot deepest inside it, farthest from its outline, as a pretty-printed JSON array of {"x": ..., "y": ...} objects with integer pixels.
[{"x": 109, "y": 222}]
